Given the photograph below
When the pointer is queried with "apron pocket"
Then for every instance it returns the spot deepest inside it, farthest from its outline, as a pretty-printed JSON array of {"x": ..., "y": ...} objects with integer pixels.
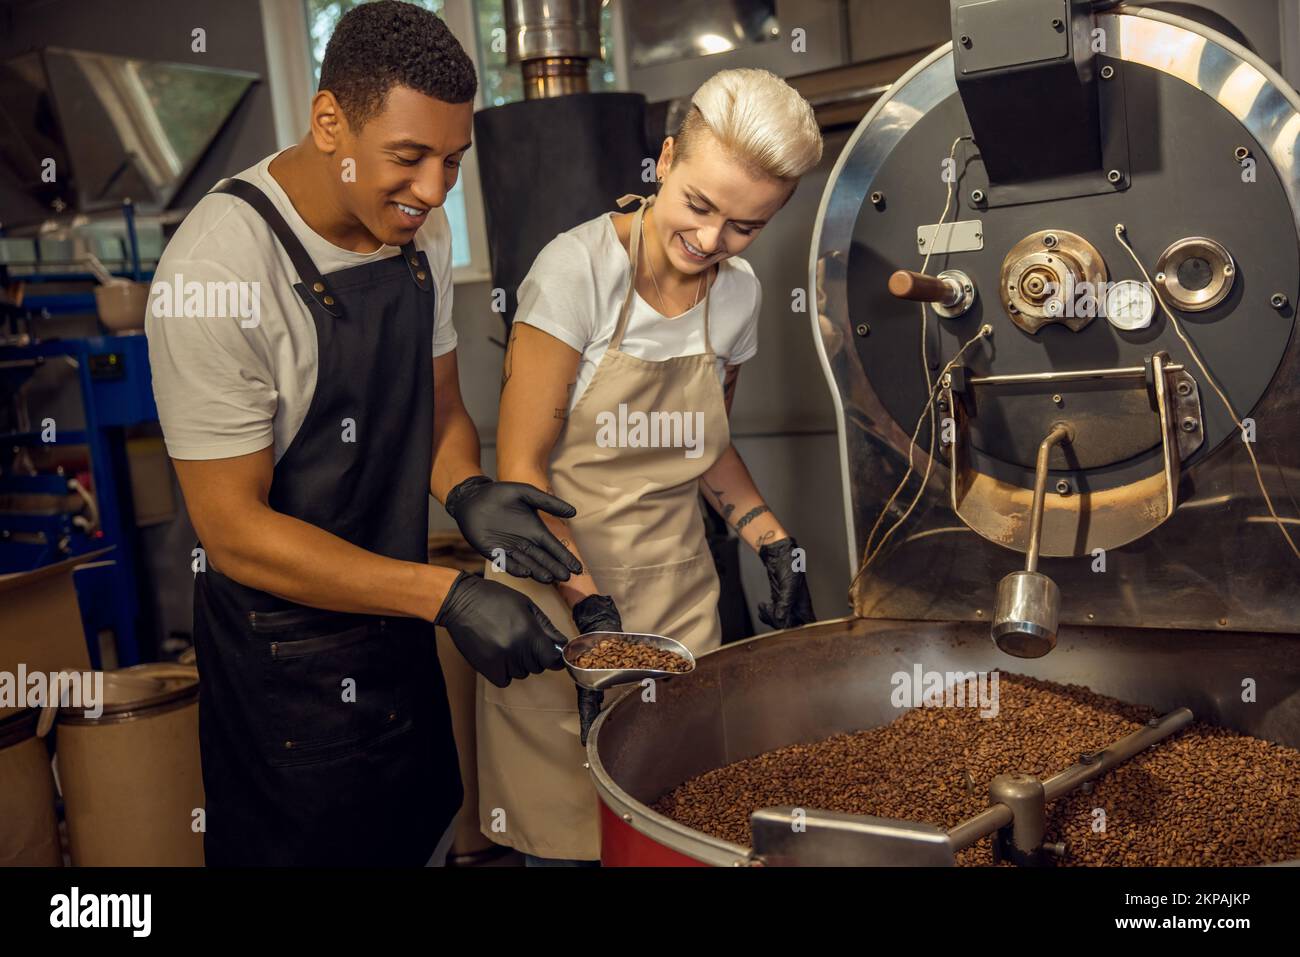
[{"x": 335, "y": 684}]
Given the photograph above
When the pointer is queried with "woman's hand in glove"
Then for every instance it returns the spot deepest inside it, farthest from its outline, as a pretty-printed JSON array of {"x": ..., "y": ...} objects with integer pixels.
[
  {"x": 503, "y": 515},
  {"x": 500, "y": 632},
  {"x": 791, "y": 604},
  {"x": 596, "y": 613}
]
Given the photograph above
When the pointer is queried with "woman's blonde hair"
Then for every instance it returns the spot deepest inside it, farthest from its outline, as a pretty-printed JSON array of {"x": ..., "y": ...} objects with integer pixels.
[{"x": 756, "y": 117}]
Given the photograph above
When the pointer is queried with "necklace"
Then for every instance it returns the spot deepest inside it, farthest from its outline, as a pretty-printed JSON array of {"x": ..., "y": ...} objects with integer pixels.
[{"x": 650, "y": 262}]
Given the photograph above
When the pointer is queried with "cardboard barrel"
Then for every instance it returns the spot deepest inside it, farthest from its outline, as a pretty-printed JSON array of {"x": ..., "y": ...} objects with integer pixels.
[
  {"x": 29, "y": 826},
  {"x": 131, "y": 777}
]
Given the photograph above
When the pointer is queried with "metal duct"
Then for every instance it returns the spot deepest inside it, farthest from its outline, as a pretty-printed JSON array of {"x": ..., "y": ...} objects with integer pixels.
[
  {"x": 84, "y": 131},
  {"x": 553, "y": 41}
]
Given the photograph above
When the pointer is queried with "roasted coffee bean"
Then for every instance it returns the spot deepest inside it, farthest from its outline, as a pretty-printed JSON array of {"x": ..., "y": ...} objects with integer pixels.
[
  {"x": 1206, "y": 796},
  {"x": 622, "y": 653}
]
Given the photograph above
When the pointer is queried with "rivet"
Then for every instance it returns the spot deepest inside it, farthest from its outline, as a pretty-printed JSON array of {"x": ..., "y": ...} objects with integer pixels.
[
  {"x": 329, "y": 300},
  {"x": 420, "y": 275},
  {"x": 1114, "y": 176},
  {"x": 415, "y": 260},
  {"x": 318, "y": 287},
  {"x": 1107, "y": 72}
]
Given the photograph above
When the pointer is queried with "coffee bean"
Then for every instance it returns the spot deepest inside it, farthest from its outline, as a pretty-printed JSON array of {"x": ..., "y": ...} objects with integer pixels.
[
  {"x": 1206, "y": 796},
  {"x": 625, "y": 653}
]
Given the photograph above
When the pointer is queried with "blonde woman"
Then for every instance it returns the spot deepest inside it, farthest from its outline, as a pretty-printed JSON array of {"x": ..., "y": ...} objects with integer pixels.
[{"x": 619, "y": 375}]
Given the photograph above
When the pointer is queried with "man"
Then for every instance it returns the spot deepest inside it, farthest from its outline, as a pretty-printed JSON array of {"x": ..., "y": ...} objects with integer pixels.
[{"x": 308, "y": 427}]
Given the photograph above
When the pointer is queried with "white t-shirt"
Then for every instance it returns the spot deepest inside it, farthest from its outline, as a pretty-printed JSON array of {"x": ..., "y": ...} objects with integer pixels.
[
  {"x": 575, "y": 290},
  {"x": 231, "y": 386}
]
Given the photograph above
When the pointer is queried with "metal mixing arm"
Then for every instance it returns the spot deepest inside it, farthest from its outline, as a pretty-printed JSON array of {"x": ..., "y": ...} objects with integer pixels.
[{"x": 1017, "y": 817}]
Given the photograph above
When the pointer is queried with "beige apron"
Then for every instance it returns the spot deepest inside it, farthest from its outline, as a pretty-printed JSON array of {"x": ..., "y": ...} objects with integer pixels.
[{"x": 641, "y": 535}]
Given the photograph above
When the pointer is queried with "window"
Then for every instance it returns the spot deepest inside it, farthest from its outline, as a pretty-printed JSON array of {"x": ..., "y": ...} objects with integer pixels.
[{"x": 322, "y": 17}]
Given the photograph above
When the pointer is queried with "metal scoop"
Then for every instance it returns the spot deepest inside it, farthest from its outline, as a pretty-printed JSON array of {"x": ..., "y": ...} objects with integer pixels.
[{"x": 592, "y": 682}]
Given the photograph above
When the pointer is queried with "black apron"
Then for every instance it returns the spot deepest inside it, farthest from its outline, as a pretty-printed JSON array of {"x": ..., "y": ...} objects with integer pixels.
[{"x": 326, "y": 737}]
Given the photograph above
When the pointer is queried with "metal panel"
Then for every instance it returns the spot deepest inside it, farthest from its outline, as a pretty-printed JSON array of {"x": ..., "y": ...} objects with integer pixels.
[{"x": 1220, "y": 562}]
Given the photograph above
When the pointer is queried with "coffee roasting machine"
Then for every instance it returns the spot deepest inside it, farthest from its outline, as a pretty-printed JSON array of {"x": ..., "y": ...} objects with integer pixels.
[{"x": 1056, "y": 271}]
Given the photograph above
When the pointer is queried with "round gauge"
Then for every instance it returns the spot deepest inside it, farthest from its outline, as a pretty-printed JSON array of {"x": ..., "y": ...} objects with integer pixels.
[{"x": 1130, "y": 305}]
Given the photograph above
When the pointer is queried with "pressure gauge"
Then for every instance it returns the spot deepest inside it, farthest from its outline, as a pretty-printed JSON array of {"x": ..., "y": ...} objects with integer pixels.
[{"x": 1130, "y": 305}]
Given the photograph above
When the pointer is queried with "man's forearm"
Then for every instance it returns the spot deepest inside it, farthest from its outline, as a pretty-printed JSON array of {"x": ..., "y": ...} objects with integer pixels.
[
  {"x": 297, "y": 561},
  {"x": 455, "y": 453},
  {"x": 730, "y": 489}
]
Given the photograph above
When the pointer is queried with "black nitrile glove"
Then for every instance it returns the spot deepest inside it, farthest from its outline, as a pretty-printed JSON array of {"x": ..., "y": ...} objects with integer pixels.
[
  {"x": 500, "y": 632},
  {"x": 593, "y": 613},
  {"x": 596, "y": 613},
  {"x": 791, "y": 604},
  {"x": 503, "y": 515}
]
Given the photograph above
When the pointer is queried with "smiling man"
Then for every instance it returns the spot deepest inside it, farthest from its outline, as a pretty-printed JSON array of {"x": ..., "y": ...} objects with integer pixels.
[{"x": 307, "y": 437}]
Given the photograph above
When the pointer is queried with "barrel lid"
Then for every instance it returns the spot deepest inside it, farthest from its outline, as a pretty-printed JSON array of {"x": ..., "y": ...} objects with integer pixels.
[
  {"x": 18, "y": 727},
  {"x": 139, "y": 688}
]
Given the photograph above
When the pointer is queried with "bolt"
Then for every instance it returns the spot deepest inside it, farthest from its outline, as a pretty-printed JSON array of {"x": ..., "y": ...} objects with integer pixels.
[
  {"x": 965, "y": 41},
  {"x": 878, "y": 199},
  {"x": 1057, "y": 398},
  {"x": 1241, "y": 152},
  {"x": 979, "y": 612},
  {"x": 1056, "y": 23},
  {"x": 1063, "y": 487},
  {"x": 1189, "y": 424},
  {"x": 1091, "y": 616},
  {"x": 1107, "y": 72},
  {"x": 1115, "y": 176},
  {"x": 862, "y": 329},
  {"x": 1223, "y": 622},
  {"x": 1278, "y": 300},
  {"x": 1050, "y": 240},
  {"x": 920, "y": 240},
  {"x": 1184, "y": 388},
  {"x": 977, "y": 196}
]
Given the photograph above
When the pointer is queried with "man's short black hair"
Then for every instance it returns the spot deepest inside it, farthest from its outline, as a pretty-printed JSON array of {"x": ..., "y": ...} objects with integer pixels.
[{"x": 377, "y": 46}]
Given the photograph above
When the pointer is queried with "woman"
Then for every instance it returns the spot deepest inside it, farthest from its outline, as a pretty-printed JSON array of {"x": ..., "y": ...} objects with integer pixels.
[{"x": 619, "y": 375}]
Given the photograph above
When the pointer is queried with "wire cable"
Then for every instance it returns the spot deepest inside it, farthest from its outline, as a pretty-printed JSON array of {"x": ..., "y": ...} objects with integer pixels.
[{"x": 1120, "y": 234}]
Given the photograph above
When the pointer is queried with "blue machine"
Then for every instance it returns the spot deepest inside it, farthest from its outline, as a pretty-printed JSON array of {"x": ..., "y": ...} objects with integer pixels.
[{"x": 116, "y": 392}]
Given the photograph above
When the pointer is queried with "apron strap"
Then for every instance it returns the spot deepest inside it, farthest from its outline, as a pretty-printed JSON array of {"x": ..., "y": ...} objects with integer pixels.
[
  {"x": 634, "y": 256},
  {"x": 419, "y": 272},
  {"x": 307, "y": 271}
]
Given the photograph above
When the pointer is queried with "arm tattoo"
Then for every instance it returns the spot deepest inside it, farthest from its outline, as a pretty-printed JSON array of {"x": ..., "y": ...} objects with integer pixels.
[
  {"x": 724, "y": 510},
  {"x": 752, "y": 514},
  {"x": 509, "y": 360},
  {"x": 564, "y": 412},
  {"x": 765, "y": 538}
]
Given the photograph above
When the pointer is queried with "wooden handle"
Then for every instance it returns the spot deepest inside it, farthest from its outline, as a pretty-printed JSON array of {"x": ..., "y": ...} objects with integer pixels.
[{"x": 919, "y": 287}]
